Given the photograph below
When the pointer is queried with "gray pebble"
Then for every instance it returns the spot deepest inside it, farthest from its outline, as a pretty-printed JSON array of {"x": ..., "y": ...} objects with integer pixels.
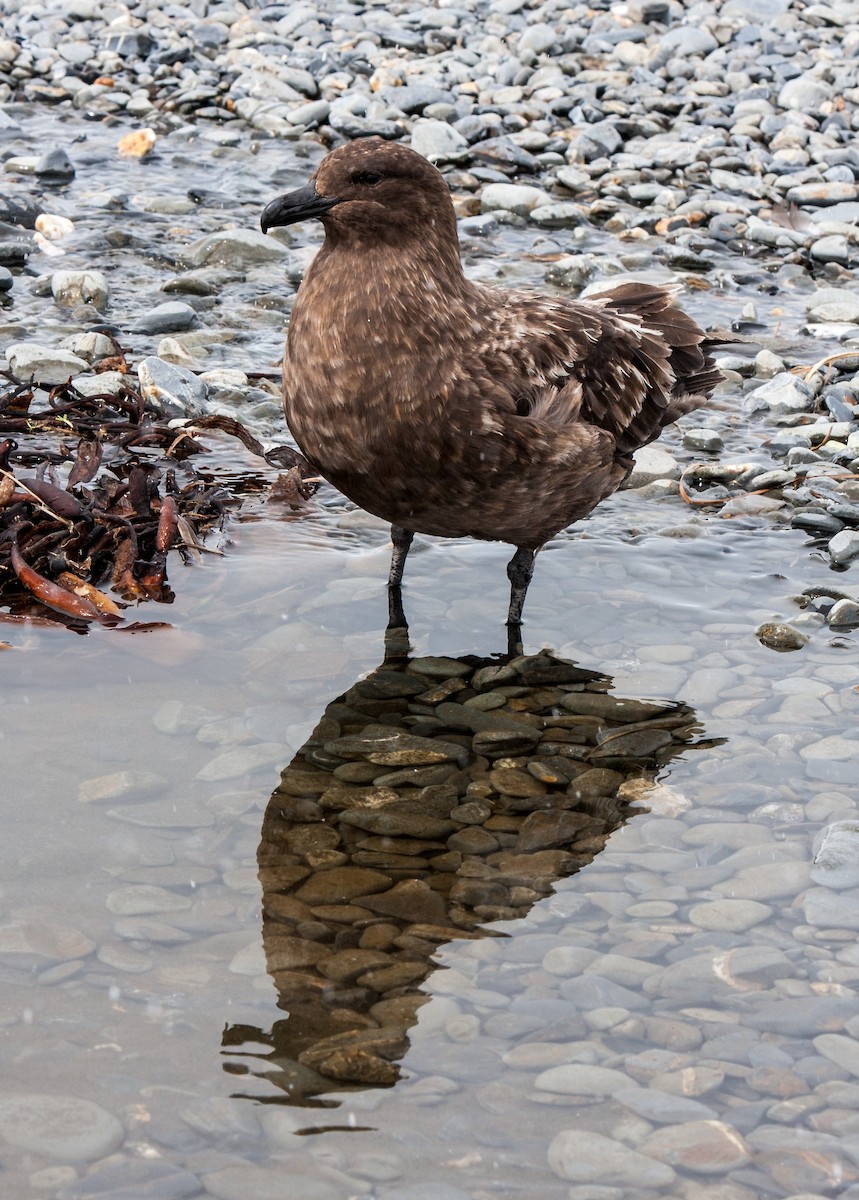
[{"x": 59, "y": 1126}]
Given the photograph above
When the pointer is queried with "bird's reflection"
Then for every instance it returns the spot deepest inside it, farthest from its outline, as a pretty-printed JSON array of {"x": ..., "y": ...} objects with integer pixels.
[{"x": 435, "y": 797}]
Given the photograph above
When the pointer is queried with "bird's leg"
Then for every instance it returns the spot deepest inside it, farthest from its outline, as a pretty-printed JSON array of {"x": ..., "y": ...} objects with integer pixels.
[
  {"x": 519, "y": 572},
  {"x": 402, "y": 539},
  {"x": 397, "y": 645}
]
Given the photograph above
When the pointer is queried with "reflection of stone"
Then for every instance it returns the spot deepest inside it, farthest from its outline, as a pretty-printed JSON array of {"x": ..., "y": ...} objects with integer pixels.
[{"x": 435, "y": 796}]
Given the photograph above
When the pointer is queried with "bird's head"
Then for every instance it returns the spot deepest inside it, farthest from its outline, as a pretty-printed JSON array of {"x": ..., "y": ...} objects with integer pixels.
[{"x": 371, "y": 191}]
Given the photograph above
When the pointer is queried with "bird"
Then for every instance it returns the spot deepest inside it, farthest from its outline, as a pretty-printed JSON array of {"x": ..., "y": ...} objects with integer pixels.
[{"x": 451, "y": 408}]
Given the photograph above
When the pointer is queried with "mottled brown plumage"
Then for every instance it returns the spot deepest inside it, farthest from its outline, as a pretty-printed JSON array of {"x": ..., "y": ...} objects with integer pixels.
[{"x": 450, "y": 408}]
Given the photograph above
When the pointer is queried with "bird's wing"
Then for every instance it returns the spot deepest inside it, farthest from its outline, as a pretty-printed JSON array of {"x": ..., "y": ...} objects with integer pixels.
[{"x": 626, "y": 361}]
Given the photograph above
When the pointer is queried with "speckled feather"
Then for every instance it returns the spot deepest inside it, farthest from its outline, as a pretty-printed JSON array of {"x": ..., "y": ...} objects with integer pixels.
[{"x": 450, "y": 408}]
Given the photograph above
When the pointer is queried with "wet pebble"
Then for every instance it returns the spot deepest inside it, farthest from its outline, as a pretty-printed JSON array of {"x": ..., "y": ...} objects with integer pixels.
[
  {"x": 59, "y": 1126},
  {"x": 583, "y": 1157}
]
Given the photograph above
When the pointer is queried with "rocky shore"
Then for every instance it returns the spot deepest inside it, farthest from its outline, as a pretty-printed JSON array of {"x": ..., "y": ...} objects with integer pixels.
[{"x": 647, "y": 140}]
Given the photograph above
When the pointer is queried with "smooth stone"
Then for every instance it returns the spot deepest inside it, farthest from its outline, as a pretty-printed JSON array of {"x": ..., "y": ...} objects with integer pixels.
[
  {"x": 235, "y": 248},
  {"x": 707, "y": 440},
  {"x": 766, "y": 881},
  {"x": 64, "y": 1127},
  {"x": 134, "y": 1179},
  {"x": 44, "y": 364},
  {"x": 804, "y": 95},
  {"x": 834, "y": 304},
  {"x": 784, "y": 393},
  {"x": 842, "y": 1050},
  {"x": 244, "y": 760},
  {"x": 834, "y": 747},
  {"x": 833, "y": 248},
  {"x": 663, "y": 1107},
  {"x": 121, "y": 785},
  {"x": 844, "y": 547},
  {"x": 583, "y": 1157},
  {"x": 171, "y": 317},
  {"x": 688, "y": 40},
  {"x": 778, "y": 636},
  {"x": 439, "y": 142},
  {"x": 315, "y": 112},
  {"x": 70, "y": 288},
  {"x": 43, "y": 940},
  {"x": 174, "y": 391},
  {"x": 836, "y": 855},
  {"x": 702, "y": 1147},
  {"x": 729, "y": 916},
  {"x": 55, "y": 165},
  {"x": 107, "y": 383},
  {"x": 251, "y": 1182},
  {"x": 844, "y": 614},
  {"x": 517, "y": 198},
  {"x": 651, "y": 463},
  {"x": 822, "y": 193},
  {"x": 578, "y": 1079},
  {"x": 145, "y": 898},
  {"x": 826, "y": 909}
]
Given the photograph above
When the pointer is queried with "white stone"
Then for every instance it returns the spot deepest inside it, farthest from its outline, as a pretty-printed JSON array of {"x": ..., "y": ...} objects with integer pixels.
[
  {"x": 438, "y": 142},
  {"x": 517, "y": 198},
  {"x": 844, "y": 547},
  {"x": 80, "y": 287},
  {"x": 45, "y": 364},
  {"x": 652, "y": 463},
  {"x": 834, "y": 304}
]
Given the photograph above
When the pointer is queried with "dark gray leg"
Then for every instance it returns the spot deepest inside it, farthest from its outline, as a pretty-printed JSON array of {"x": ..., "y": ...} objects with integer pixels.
[
  {"x": 402, "y": 539},
  {"x": 397, "y": 645},
  {"x": 519, "y": 572}
]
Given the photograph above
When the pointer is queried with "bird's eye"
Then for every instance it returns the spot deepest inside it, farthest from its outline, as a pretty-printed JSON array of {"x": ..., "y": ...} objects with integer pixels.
[{"x": 367, "y": 178}]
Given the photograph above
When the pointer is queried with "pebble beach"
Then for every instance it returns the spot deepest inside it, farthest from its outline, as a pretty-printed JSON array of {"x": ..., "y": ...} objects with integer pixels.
[{"x": 280, "y": 920}]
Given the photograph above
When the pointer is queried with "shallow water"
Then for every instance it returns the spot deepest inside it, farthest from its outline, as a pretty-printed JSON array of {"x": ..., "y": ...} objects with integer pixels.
[{"x": 138, "y": 768}]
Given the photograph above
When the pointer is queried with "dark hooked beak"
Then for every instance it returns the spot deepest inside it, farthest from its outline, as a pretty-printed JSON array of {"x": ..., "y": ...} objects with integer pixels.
[{"x": 300, "y": 205}]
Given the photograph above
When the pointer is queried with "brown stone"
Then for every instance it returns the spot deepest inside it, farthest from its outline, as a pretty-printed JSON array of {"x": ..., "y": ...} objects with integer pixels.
[
  {"x": 297, "y": 782},
  {"x": 356, "y": 772},
  {"x": 282, "y": 878},
  {"x": 379, "y": 937},
  {"x": 472, "y": 840},
  {"x": 410, "y": 900},
  {"x": 278, "y": 907},
  {"x": 543, "y": 830},
  {"x": 344, "y": 966},
  {"x": 359, "y": 1066},
  {"x": 385, "y": 1043},
  {"x": 341, "y": 797},
  {"x": 401, "y": 1012},
  {"x": 341, "y": 884},
  {"x": 599, "y": 781},
  {"x": 516, "y": 782},
  {"x": 398, "y": 975},
  {"x": 613, "y": 708},
  {"x": 399, "y": 845},
  {"x": 285, "y": 953},
  {"x": 541, "y": 864},
  {"x": 474, "y": 892},
  {"x": 340, "y": 914},
  {"x": 389, "y": 862}
]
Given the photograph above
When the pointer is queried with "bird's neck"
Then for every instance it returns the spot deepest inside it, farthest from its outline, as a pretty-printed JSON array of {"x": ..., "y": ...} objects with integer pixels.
[{"x": 400, "y": 284}]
